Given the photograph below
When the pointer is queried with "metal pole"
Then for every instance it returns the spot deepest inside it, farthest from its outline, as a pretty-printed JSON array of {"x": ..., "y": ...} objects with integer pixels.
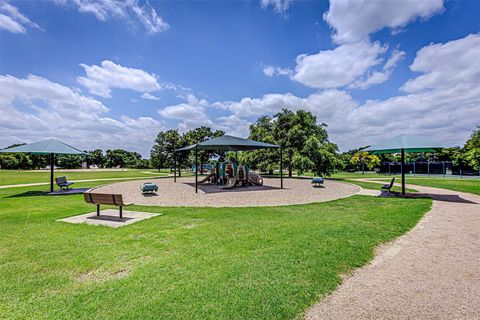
[
  {"x": 196, "y": 170},
  {"x": 52, "y": 164},
  {"x": 403, "y": 171},
  {"x": 428, "y": 168},
  {"x": 414, "y": 169},
  {"x": 281, "y": 169},
  {"x": 443, "y": 163},
  {"x": 174, "y": 167}
]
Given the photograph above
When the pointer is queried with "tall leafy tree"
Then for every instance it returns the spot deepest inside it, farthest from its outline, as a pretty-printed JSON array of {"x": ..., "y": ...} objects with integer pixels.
[
  {"x": 265, "y": 159},
  {"x": 96, "y": 158},
  {"x": 162, "y": 154}
]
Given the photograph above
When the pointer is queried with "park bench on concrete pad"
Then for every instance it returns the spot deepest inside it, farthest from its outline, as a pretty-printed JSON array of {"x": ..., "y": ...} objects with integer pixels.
[
  {"x": 388, "y": 187},
  {"x": 63, "y": 183},
  {"x": 106, "y": 199}
]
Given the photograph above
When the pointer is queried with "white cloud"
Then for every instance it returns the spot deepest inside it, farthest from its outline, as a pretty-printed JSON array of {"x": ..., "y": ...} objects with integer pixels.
[
  {"x": 355, "y": 20},
  {"x": 11, "y": 19},
  {"x": 34, "y": 108},
  {"x": 100, "y": 79},
  {"x": 191, "y": 113},
  {"x": 121, "y": 9},
  {"x": 377, "y": 77},
  {"x": 338, "y": 67},
  {"x": 271, "y": 71},
  {"x": 149, "y": 96},
  {"x": 447, "y": 65},
  {"x": 279, "y": 6}
]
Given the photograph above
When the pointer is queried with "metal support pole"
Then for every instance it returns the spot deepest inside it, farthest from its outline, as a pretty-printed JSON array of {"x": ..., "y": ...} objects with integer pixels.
[
  {"x": 414, "y": 169},
  {"x": 98, "y": 210},
  {"x": 121, "y": 212},
  {"x": 403, "y": 172},
  {"x": 443, "y": 163},
  {"x": 52, "y": 165},
  {"x": 196, "y": 170},
  {"x": 281, "y": 168},
  {"x": 174, "y": 167},
  {"x": 428, "y": 168},
  {"x": 389, "y": 164}
]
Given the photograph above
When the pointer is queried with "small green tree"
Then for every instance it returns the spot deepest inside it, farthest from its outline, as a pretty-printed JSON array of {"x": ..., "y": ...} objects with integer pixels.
[{"x": 472, "y": 149}]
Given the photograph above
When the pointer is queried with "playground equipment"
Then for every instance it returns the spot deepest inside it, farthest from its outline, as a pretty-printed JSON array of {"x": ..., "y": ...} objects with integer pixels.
[
  {"x": 229, "y": 174},
  {"x": 255, "y": 179}
]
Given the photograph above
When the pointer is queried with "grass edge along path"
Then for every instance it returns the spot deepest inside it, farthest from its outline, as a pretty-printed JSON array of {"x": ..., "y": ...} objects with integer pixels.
[{"x": 201, "y": 263}]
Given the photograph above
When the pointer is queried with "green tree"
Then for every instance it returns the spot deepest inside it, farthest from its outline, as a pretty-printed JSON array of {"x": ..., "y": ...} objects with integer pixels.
[
  {"x": 365, "y": 159},
  {"x": 162, "y": 153},
  {"x": 198, "y": 135},
  {"x": 96, "y": 158},
  {"x": 472, "y": 149},
  {"x": 291, "y": 130},
  {"x": 265, "y": 160},
  {"x": 69, "y": 161},
  {"x": 317, "y": 156}
]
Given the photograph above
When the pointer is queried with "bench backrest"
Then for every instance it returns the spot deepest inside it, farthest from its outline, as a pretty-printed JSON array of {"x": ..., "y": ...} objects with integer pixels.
[
  {"x": 104, "y": 198},
  {"x": 391, "y": 182},
  {"x": 61, "y": 180}
]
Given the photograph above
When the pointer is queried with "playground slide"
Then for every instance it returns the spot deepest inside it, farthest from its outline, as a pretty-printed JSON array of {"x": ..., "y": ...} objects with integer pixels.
[
  {"x": 255, "y": 178},
  {"x": 206, "y": 178},
  {"x": 230, "y": 183}
]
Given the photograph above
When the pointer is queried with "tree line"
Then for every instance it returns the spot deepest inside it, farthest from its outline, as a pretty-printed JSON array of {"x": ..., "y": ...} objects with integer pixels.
[{"x": 116, "y": 158}]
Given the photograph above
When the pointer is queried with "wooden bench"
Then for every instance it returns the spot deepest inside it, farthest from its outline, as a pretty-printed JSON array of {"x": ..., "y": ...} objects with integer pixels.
[
  {"x": 63, "y": 183},
  {"x": 106, "y": 199},
  {"x": 388, "y": 187}
]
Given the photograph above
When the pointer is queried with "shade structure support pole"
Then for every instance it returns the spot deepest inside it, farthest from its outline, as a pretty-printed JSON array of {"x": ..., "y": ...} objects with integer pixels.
[
  {"x": 174, "y": 167},
  {"x": 403, "y": 171},
  {"x": 52, "y": 164},
  {"x": 281, "y": 168},
  {"x": 196, "y": 170}
]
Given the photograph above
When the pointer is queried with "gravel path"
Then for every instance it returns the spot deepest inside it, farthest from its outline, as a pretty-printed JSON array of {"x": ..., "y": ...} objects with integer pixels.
[
  {"x": 432, "y": 272},
  {"x": 182, "y": 193}
]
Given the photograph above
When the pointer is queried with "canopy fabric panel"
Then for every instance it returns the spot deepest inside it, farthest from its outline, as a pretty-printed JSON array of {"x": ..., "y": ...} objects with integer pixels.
[
  {"x": 410, "y": 144},
  {"x": 46, "y": 147},
  {"x": 229, "y": 143}
]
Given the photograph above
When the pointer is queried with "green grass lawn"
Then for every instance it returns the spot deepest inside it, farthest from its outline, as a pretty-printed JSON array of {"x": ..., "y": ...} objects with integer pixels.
[
  {"x": 8, "y": 177},
  {"x": 462, "y": 185},
  {"x": 375, "y": 186},
  {"x": 200, "y": 263}
]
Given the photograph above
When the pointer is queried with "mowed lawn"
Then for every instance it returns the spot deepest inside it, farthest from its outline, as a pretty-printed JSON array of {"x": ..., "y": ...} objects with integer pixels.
[
  {"x": 471, "y": 185},
  {"x": 195, "y": 263},
  {"x": 10, "y": 177}
]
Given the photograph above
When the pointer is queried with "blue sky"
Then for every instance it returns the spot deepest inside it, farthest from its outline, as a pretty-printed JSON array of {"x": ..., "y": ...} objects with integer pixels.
[{"x": 112, "y": 73}]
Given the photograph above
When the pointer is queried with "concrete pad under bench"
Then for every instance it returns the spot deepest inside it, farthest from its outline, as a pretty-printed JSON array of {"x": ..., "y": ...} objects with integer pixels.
[{"x": 110, "y": 218}]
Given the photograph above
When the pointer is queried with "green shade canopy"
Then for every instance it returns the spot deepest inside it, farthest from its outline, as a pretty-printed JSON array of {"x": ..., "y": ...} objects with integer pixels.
[
  {"x": 228, "y": 143},
  {"x": 46, "y": 147},
  {"x": 51, "y": 147},
  {"x": 401, "y": 144},
  {"x": 409, "y": 144}
]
